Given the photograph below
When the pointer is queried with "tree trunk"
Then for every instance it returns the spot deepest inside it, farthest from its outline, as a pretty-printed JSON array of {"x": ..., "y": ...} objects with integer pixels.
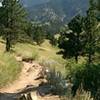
[
  {"x": 90, "y": 58},
  {"x": 90, "y": 54},
  {"x": 8, "y": 44},
  {"x": 76, "y": 58}
]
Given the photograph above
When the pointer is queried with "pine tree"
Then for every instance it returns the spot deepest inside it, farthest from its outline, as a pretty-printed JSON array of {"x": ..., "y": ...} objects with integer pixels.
[
  {"x": 12, "y": 21},
  {"x": 52, "y": 39},
  {"x": 90, "y": 24},
  {"x": 38, "y": 34},
  {"x": 72, "y": 42},
  {"x": 76, "y": 26}
]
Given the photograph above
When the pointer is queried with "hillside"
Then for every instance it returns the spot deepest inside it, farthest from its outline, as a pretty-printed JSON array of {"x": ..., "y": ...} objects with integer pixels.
[
  {"x": 54, "y": 13},
  {"x": 49, "y": 49},
  {"x": 16, "y": 75},
  {"x": 55, "y": 9},
  {"x": 10, "y": 67},
  {"x": 33, "y": 2}
]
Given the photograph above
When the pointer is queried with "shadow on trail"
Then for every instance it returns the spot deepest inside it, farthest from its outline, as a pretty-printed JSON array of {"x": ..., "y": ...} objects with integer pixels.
[
  {"x": 9, "y": 96},
  {"x": 26, "y": 93},
  {"x": 12, "y": 96},
  {"x": 22, "y": 94}
]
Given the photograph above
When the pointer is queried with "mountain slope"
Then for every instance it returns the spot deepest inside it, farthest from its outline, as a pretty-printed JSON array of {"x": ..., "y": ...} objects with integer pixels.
[
  {"x": 28, "y": 3},
  {"x": 43, "y": 10},
  {"x": 54, "y": 13}
]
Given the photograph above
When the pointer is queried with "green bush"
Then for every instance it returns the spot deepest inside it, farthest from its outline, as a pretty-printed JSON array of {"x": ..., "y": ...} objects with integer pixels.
[
  {"x": 56, "y": 81},
  {"x": 83, "y": 96},
  {"x": 48, "y": 63},
  {"x": 87, "y": 76}
]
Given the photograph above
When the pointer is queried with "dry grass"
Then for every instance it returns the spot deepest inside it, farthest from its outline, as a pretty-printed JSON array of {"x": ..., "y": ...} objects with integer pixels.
[
  {"x": 9, "y": 67},
  {"x": 42, "y": 54}
]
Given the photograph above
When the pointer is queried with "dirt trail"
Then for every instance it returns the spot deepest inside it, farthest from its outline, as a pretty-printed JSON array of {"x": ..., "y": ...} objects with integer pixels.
[{"x": 26, "y": 77}]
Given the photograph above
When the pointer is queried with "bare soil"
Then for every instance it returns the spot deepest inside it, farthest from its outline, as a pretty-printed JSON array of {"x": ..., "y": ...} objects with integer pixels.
[{"x": 26, "y": 78}]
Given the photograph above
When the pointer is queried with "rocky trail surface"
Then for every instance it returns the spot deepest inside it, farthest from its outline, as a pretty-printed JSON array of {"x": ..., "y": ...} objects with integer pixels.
[{"x": 26, "y": 80}]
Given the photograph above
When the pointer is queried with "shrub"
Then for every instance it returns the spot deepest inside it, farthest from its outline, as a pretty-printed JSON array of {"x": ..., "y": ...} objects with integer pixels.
[
  {"x": 87, "y": 76},
  {"x": 48, "y": 63},
  {"x": 97, "y": 96},
  {"x": 56, "y": 81},
  {"x": 84, "y": 96}
]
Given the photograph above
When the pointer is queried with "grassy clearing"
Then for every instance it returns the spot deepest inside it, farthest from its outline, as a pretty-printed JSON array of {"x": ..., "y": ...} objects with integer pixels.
[
  {"x": 42, "y": 54},
  {"x": 26, "y": 50},
  {"x": 9, "y": 68}
]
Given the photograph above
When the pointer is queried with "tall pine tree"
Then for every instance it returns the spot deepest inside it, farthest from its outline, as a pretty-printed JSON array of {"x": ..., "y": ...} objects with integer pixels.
[
  {"x": 38, "y": 34},
  {"x": 12, "y": 20},
  {"x": 72, "y": 42},
  {"x": 90, "y": 24}
]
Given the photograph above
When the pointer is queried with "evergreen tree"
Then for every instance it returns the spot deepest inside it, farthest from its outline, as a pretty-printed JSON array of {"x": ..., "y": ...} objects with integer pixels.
[
  {"x": 12, "y": 20},
  {"x": 38, "y": 34},
  {"x": 52, "y": 39},
  {"x": 72, "y": 42},
  {"x": 98, "y": 5},
  {"x": 90, "y": 26},
  {"x": 76, "y": 26}
]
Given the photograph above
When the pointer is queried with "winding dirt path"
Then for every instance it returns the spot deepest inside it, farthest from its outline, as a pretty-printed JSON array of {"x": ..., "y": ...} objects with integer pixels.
[{"x": 26, "y": 77}]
